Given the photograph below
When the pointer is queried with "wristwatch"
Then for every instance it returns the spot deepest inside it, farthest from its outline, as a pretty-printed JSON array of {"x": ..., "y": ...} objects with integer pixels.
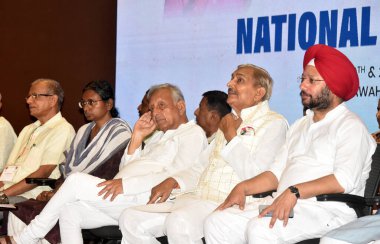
[
  {"x": 3, "y": 198},
  {"x": 295, "y": 191}
]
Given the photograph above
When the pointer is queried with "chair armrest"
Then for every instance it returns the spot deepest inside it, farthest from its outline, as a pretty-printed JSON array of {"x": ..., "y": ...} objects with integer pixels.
[
  {"x": 346, "y": 198},
  {"x": 373, "y": 201},
  {"x": 355, "y": 202},
  {"x": 42, "y": 182},
  {"x": 264, "y": 194}
]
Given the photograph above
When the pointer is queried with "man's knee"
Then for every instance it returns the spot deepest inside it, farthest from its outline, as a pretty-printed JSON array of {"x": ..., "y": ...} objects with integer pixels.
[
  {"x": 258, "y": 229},
  {"x": 173, "y": 222},
  {"x": 68, "y": 215},
  {"x": 129, "y": 220},
  {"x": 212, "y": 222}
]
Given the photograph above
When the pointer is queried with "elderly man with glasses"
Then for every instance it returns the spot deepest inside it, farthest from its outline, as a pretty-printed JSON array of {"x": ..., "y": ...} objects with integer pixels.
[{"x": 40, "y": 145}]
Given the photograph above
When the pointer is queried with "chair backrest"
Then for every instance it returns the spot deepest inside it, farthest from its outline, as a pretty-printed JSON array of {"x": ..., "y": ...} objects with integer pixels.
[{"x": 372, "y": 184}]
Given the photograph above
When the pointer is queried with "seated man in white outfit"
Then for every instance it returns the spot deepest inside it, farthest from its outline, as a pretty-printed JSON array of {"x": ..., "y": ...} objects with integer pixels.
[
  {"x": 40, "y": 146},
  {"x": 244, "y": 146},
  {"x": 82, "y": 202},
  {"x": 7, "y": 139},
  {"x": 327, "y": 151}
]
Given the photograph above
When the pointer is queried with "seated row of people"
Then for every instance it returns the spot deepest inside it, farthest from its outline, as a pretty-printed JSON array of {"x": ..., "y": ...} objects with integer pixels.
[
  {"x": 184, "y": 179},
  {"x": 96, "y": 149}
]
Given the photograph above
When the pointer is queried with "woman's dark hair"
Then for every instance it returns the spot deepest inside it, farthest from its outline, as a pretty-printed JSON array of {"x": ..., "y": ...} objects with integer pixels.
[{"x": 105, "y": 91}]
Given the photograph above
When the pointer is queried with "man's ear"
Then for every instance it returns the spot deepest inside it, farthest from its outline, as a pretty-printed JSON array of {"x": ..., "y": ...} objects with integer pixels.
[
  {"x": 54, "y": 100},
  {"x": 260, "y": 93},
  {"x": 214, "y": 116},
  {"x": 181, "y": 105}
]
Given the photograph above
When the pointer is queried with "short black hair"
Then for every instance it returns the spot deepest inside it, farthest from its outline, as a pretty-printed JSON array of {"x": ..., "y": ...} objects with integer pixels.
[
  {"x": 217, "y": 100},
  {"x": 104, "y": 89}
]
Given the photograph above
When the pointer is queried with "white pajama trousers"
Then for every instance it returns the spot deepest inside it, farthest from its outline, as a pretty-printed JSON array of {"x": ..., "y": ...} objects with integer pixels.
[
  {"x": 77, "y": 206},
  {"x": 312, "y": 219},
  {"x": 184, "y": 224},
  {"x": 16, "y": 225}
]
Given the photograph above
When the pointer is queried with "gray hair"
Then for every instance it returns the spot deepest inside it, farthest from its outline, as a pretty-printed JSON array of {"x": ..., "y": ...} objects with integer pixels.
[
  {"x": 175, "y": 91},
  {"x": 262, "y": 78},
  {"x": 53, "y": 88}
]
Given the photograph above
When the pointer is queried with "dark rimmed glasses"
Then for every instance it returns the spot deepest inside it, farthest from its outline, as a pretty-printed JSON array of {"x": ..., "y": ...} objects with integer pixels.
[
  {"x": 90, "y": 102},
  {"x": 35, "y": 96}
]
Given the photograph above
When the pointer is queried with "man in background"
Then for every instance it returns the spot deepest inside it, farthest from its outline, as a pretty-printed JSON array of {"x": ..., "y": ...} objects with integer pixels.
[
  {"x": 376, "y": 135},
  {"x": 212, "y": 108}
]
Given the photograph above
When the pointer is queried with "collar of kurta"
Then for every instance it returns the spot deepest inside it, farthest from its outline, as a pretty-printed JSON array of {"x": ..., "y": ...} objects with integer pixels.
[
  {"x": 179, "y": 128},
  {"x": 50, "y": 122},
  {"x": 338, "y": 110},
  {"x": 258, "y": 110}
]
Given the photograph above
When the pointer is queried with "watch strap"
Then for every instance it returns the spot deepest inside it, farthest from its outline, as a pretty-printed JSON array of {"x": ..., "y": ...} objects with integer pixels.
[{"x": 295, "y": 191}]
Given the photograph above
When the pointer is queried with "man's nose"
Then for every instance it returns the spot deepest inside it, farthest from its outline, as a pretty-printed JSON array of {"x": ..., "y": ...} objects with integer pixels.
[
  {"x": 154, "y": 111},
  {"x": 29, "y": 100},
  {"x": 230, "y": 83},
  {"x": 303, "y": 86},
  {"x": 196, "y": 112}
]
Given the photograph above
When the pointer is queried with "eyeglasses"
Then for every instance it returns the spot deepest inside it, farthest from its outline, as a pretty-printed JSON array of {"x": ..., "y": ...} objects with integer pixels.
[
  {"x": 312, "y": 81},
  {"x": 90, "y": 102},
  {"x": 35, "y": 96}
]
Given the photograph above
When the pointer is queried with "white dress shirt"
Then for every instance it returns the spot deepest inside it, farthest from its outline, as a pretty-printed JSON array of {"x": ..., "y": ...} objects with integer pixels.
[{"x": 339, "y": 144}]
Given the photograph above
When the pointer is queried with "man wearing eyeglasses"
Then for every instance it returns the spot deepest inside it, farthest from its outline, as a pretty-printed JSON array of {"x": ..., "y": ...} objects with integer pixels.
[
  {"x": 40, "y": 145},
  {"x": 327, "y": 151}
]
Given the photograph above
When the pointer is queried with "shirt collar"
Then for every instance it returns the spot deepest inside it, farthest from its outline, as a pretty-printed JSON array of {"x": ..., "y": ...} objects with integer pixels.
[
  {"x": 338, "y": 110},
  {"x": 258, "y": 109},
  {"x": 50, "y": 122},
  {"x": 211, "y": 138}
]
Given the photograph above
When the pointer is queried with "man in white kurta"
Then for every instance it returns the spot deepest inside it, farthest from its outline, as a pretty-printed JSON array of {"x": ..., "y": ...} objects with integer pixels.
[
  {"x": 243, "y": 147},
  {"x": 7, "y": 139},
  {"x": 327, "y": 151},
  {"x": 80, "y": 202},
  {"x": 40, "y": 146}
]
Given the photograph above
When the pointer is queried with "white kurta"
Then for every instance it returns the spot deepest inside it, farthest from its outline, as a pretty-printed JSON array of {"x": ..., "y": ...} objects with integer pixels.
[
  {"x": 220, "y": 167},
  {"x": 339, "y": 144},
  {"x": 7, "y": 140},
  {"x": 78, "y": 205}
]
